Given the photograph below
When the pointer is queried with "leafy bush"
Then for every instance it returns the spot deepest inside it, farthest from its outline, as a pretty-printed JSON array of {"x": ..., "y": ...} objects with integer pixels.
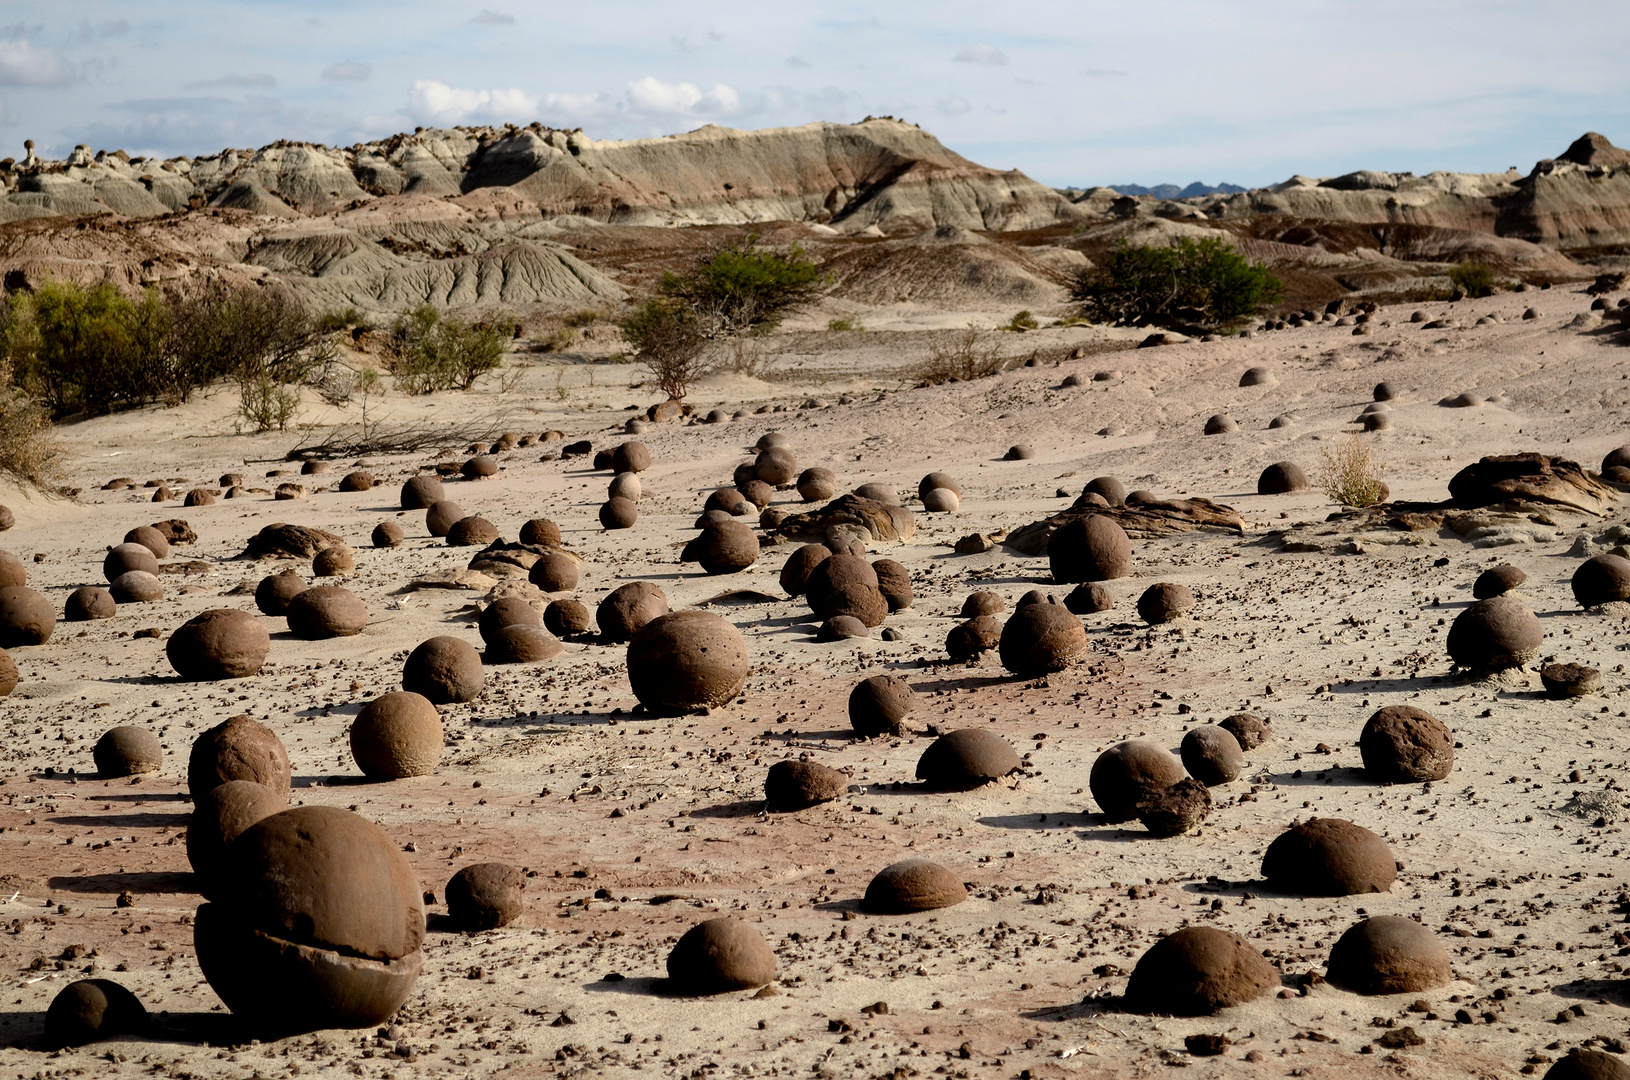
[
  {"x": 666, "y": 337},
  {"x": 1351, "y": 475},
  {"x": 428, "y": 351},
  {"x": 87, "y": 352},
  {"x": 582, "y": 317},
  {"x": 743, "y": 289},
  {"x": 243, "y": 332},
  {"x": 1197, "y": 283},
  {"x": 843, "y": 325},
  {"x": 267, "y": 403},
  {"x": 964, "y": 359},
  {"x": 1021, "y": 322},
  {"x": 346, "y": 319},
  {"x": 1473, "y": 279}
]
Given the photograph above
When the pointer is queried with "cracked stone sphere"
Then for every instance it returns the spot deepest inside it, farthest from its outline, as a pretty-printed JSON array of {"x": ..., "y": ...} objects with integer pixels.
[
  {"x": 1128, "y": 772},
  {"x": 687, "y": 660}
]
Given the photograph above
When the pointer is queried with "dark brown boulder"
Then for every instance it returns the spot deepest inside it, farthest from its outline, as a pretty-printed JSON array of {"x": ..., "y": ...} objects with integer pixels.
[
  {"x": 441, "y": 516},
  {"x": 1602, "y": 580},
  {"x": 1494, "y": 634},
  {"x": 879, "y": 705},
  {"x": 333, "y": 561},
  {"x": 127, "y": 750},
  {"x": 127, "y": 557},
  {"x": 1089, "y": 598},
  {"x": 630, "y": 457},
  {"x": 776, "y": 466},
  {"x": 1198, "y": 971},
  {"x": 964, "y": 759},
  {"x": 149, "y": 538},
  {"x": 357, "y": 481},
  {"x": 9, "y": 675},
  {"x": 219, "y": 816},
  {"x": 687, "y": 660},
  {"x": 726, "y": 547},
  {"x": 26, "y": 617},
  {"x": 485, "y": 896},
  {"x": 1164, "y": 601},
  {"x": 1220, "y": 424},
  {"x": 1174, "y": 810},
  {"x": 480, "y": 467},
  {"x": 326, "y": 611},
  {"x": 447, "y": 670},
  {"x": 136, "y": 587},
  {"x": 757, "y": 492},
  {"x": 273, "y": 593},
  {"x": 506, "y": 611},
  {"x": 1040, "y": 638},
  {"x": 1107, "y": 488},
  {"x": 982, "y": 602},
  {"x": 554, "y": 572},
  {"x": 388, "y": 534},
  {"x": 913, "y": 885},
  {"x": 1570, "y": 680},
  {"x": 1212, "y": 755},
  {"x": 619, "y": 514},
  {"x": 397, "y": 735},
  {"x": 522, "y": 645},
  {"x": 422, "y": 492},
  {"x": 797, "y": 785},
  {"x": 1280, "y": 478},
  {"x": 222, "y": 643},
  {"x": 1404, "y": 745},
  {"x": 1127, "y": 773},
  {"x": 817, "y": 485},
  {"x": 718, "y": 956},
  {"x": 472, "y": 531},
  {"x": 282, "y": 541},
  {"x": 1091, "y": 548},
  {"x": 894, "y": 582},
  {"x": 93, "y": 1010},
  {"x": 540, "y": 531},
  {"x": 841, "y": 628},
  {"x": 970, "y": 639},
  {"x": 796, "y": 570},
  {"x": 629, "y": 607},
  {"x": 87, "y": 603},
  {"x": 1388, "y": 954},
  {"x": 729, "y": 501},
  {"x": 13, "y": 574},
  {"x": 846, "y": 585},
  {"x": 1250, "y": 731},
  {"x": 1329, "y": 857},
  {"x": 1588, "y": 1065},
  {"x": 567, "y": 618},
  {"x": 1497, "y": 581},
  {"x": 237, "y": 749}
]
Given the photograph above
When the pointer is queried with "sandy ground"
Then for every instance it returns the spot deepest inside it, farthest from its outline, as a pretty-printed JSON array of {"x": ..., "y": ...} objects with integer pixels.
[{"x": 634, "y": 829}]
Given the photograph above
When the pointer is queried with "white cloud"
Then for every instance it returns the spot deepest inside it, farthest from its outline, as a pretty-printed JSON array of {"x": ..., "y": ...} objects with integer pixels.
[
  {"x": 22, "y": 64},
  {"x": 348, "y": 71},
  {"x": 652, "y": 97},
  {"x": 437, "y": 103},
  {"x": 981, "y": 54},
  {"x": 953, "y": 105},
  {"x": 493, "y": 18}
]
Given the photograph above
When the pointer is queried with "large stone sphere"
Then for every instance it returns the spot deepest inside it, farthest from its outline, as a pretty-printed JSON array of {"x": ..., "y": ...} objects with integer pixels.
[
  {"x": 1212, "y": 755},
  {"x": 726, "y": 547},
  {"x": 1497, "y": 581},
  {"x": 26, "y": 617},
  {"x": 687, "y": 660},
  {"x": 397, "y": 735},
  {"x": 388, "y": 534},
  {"x": 1580, "y": 1064},
  {"x": 326, "y": 611},
  {"x": 913, "y": 885},
  {"x": 1111, "y": 490},
  {"x": 969, "y": 640},
  {"x": 1129, "y": 772},
  {"x": 485, "y": 896},
  {"x": 630, "y": 457},
  {"x": 237, "y": 749},
  {"x": 506, "y": 611},
  {"x": 817, "y": 484},
  {"x": 1039, "y": 638},
  {"x": 1281, "y": 478},
  {"x": 518, "y": 644},
  {"x": 1602, "y": 580},
  {"x": 1089, "y": 598},
  {"x": 9, "y": 675},
  {"x": 318, "y": 923},
  {"x": 273, "y": 593},
  {"x": 12, "y": 571},
  {"x": 151, "y": 539},
  {"x": 1093, "y": 548},
  {"x": 441, "y": 516},
  {"x": 629, "y": 607},
  {"x": 776, "y": 466},
  {"x": 625, "y": 485},
  {"x": 93, "y": 1010},
  {"x": 1403, "y": 745},
  {"x": 540, "y": 531},
  {"x": 220, "y": 816},
  {"x": 1164, "y": 601},
  {"x": 1198, "y": 971},
  {"x": 1493, "y": 634},
  {"x": 127, "y": 750},
  {"x": 136, "y": 587},
  {"x": 422, "y": 492},
  {"x": 619, "y": 514},
  {"x": 846, "y": 585},
  {"x": 127, "y": 557},
  {"x": 966, "y": 758},
  {"x": 1329, "y": 857},
  {"x": 472, "y": 531},
  {"x": 479, "y": 467},
  {"x": 1388, "y": 954},
  {"x": 567, "y": 618},
  {"x": 718, "y": 956},
  {"x": 894, "y": 582},
  {"x": 89, "y": 602},
  {"x": 447, "y": 670},
  {"x": 799, "y": 565},
  {"x": 796, "y": 785},
  {"x": 554, "y": 572},
  {"x": 879, "y": 705},
  {"x": 938, "y": 481},
  {"x": 222, "y": 643}
]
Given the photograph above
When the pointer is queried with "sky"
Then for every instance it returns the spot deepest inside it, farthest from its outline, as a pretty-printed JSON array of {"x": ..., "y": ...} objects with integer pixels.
[{"x": 1078, "y": 93}]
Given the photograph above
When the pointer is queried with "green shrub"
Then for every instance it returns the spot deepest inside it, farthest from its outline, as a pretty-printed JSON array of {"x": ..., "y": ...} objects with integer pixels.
[
  {"x": 267, "y": 403},
  {"x": 428, "y": 351},
  {"x": 1473, "y": 279},
  {"x": 1204, "y": 284},
  {"x": 242, "y": 332},
  {"x": 666, "y": 337},
  {"x": 964, "y": 359},
  {"x": 843, "y": 325},
  {"x": 88, "y": 351},
  {"x": 346, "y": 319},
  {"x": 744, "y": 289},
  {"x": 29, "y": 448},
  {"x": 1021, "y": 322}
]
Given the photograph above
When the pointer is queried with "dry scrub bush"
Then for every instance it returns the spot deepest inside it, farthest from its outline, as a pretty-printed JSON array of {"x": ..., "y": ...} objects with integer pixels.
[
  {"x": 428, "y": 351},
  {"x": 1351, "y": 474},
  {"x": 665, "y": 336},
  {"x": 964, "y": 359},
  {"x": 29, "y": 448}
]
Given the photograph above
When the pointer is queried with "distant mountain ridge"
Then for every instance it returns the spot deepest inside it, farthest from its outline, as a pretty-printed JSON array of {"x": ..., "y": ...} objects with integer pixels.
[{"x": 1172, "y": 191}]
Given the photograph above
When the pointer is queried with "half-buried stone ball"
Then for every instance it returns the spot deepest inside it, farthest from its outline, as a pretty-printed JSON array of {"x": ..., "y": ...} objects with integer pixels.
[
  {"x": 1165, "y": 601},
  {"x": 1221, "y": 424},
  {"x": 522, "y": 645},
  {"x": 12, "y": 571},
  {"x": 388, "y": 534},
  {"x": 942, "y": 501},
  {"x": 1388, "y": 954},
  {"x": 220, "y": 816},
  {"x": 797, "y": 785},
  {"x": 26, "y": 617},
  {"x": 136, "y": 587},
  {"x": 126, "y": 557},
  {"x": 317, "y": 924},
  {"x": 1602, "y": 580},
  {"x": 540, "y": 531},
  {"x": 442, "y": 516},
  {"x": 726, "y": 547},
  {"x": 554, "y": 572},
  {"x": 422, "y": 492},
  {"x": 882, "y": 493},
  {"x": 1092, "y": 548},
  {"x": 686, "y": 660},
  {"x": 757, "y": 492},
  {"x": 1107, "y": 488},
  {"x": 894, "y": 582},
  {"x": 1089, "y": 598},
  {"x": 846, "y": 585},
  {"x": 1402, "y": 745},
  {"x": 729, "y": 500},
  {"x": 485, "y": 896},
  {"x": 799, "y": 565},
  {"x": 938, "y": 480},
  {"x": 273, "y": 593},
  {"x": 1588, "y": 1065},
  {"x": 1175, "y": 810},
  {"x": 127, "y": 750},
  {"x": 397, "y": 735},
  {"x": 1040, "y": 638},
  {"x": 1212, "y": 755},
  {"x": 506, "y": 611},
  {"x": 1198, "y": 971},
  {"x": 1616, "y": 458},
  {"x": 817, "y": 484},
  {"x": 913, "y": 885},
  {"x": 971, "y": 639},
  {"x": 1250, "y": 731},
  {"x": 1258, "y": 376},
  {"x": 982, "y": 602},
  {"x": 1129, "y": 772},
  {"x": 567, "y": 618},
  {"x": 333, "y": 561},
  {"x": 1497, "y": 581},
  {"x": 1329, "y": 857},
  {"x": 718, "y": 956},
  {"x": 357, "y": 481},
  {"x": 619, "y": 514},
  {"x": 480, "y": 467},
  {"x": 1281, "y": 478},
  {"x": 93, "y": 1010},
  {"x": 472, "y": 531},
  {"x": 627, "y": 608},
  {"x": 841, "y": 628},
  {"x": 326, "y": 611},
  {"x": 87, "y": 603},
  {"x": 149, "y": 538},
  {"x": 776, "y": 466},
  {"x": 1570, "y": 680},
  {"x": 879, "y": 705},
  {"x": 964, "y": 759},
  {"x": 447, "y": 670},
  {"x": 237, "y": 749},
  {"x": 1495, "y": 634}
]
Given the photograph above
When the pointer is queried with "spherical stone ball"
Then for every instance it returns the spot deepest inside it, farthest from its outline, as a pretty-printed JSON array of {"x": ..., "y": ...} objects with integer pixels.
[
  {"x": 1616, "y": 458},
  {"x": 913, "y": 885},
  {"x": 629, "y": 607},
  {"x": 567, "y": 618},
  {"x": 316, "y": 468},
  {"x": 841, "y": 628},
  {"x": 485, "y": 896},
  {"x": 447, "y": 670},
  {"x": 522, "y": 645},
  {"x": 966, "y": 758},
  {"x": 757, "y": 492},
  {"x": 274, "y": 592},
  {"x": 388, "y": 534},
  {"x": 1164, "y": 601},
  {"x": 1089, "y": 598},
  {"x": 799, "y": 565},
  {"x": 357, "y": 481},
  {"x": 13, "y": 573},
  {"x": 220, "y": 816},
  {"x": 1126, "y": 773},
  {"x": 618, "y": 514},
  {"x": 127, "y": 557},
  {"x": 199, "y": 497},
  {"x": 1220, "y": 424},
  {"x": 882, "y": 493},
  {"x": 1107, "y": 488},
  {"x": 942, "y": 501},
  {"x": 718, "y": 956},
  {"x": 1141, "y": 497},
  {"x": 797, "y": 785},
  {"x": 472, "y": 531},
  {"x": 1249, "y": 731},
  {"x": 540, "y": 531},
  {"x": 26, "y": 617},
  {"x": 237, "y": 749},
  {"x": 879, "y": 705},
  {"x": 625, "y": 485},
  {"x": 89, "y": 602},
  {"x": 326, "y": 611},
  {"x": 1034, "y": 596},
  {"x": 442, "y": 516},
  {"x": 318, "y": 923},
  {"x": 894, "y": 582},
  {"x": 982, "y": 602},
  {"x": 1384, "y": 391},
  {"x": 9, "y": 676},
  {"x": 1212, "y": 755},
  {"x": 222, "y": 643},
  {"x": 1258, "y": 376},
  {"x": 149, "y": 538},
  {"x": 1040, "y": 638},
  {"x": 1497, "y": 581},
  {"x": 687, "y": 660},
  {"x": 630, "y": 457},
  {"x": 846, "y": 585},
  {"x": 554, "y": 572},
  {"x": 1402, "y": 744},
  {"x": 333, "y": 561},
  {"x": 506, "y": 611},
  {"x": 968, "y": 640},
  {"x": 776, "y": 466},
  {"x": 729, "y": 501},
  {"x": 1376, "y": 421},
  {"x": 1280, "y": 478},
  {"x": 1091, "y": 548},
  {"x": 726, "y": 547},
  {"x": 1388, "y": 954},
  {"x": 7, "y": 518},
  {"x": 1175, "y": 810},
  {"x": 1494, "y": 634},
  {"x": 93, "y": 1010},
  {"x": 1588, "y": 1065},
  {"x": 397, "y": 735},
  {"x": 127, "y": 750},
  {"x": 480, "y": 467},
  {"x": 1602, "y": 580},
  {"x": 938, "y": 481},
  {"x": 1198, "y": 971},
  {"x": 817, "y": 484},
  {"x": 602, "y": 460},
  {"x": 136, "y": 587},
  {"x": 769, "y": 439},
  {"x": 1329, "y": 857}
]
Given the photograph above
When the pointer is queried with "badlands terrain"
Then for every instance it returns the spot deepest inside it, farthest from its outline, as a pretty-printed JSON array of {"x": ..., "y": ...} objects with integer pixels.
[{"x": 632, "y": 828}]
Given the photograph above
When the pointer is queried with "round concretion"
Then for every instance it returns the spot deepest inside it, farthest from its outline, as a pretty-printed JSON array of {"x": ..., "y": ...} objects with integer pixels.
[
  {"x": 1602, "y": 580},
  {"x": 1249, "y": 731},
  {"x": 326, "y": 611},
  {"x": 1040, "y": 638},
  {"x": 966, "y": 758},
  {"x": 842, "y": 628},
  {"x": 1494, "y": 634},
  {"x": 1198, "y": 971},
  {"x": 522, "y": 645},
  {"x": 938, "y": 480},
  {"x": 12, "y": 571},
  {"x": 1588, "y": 1065},
  {"x": 1165, "y": 601},
  {"x": 220, "y": 816},
  {"x": 894, "y": 582},
  {"x": 127, "y": 751},
  {"x": 89, "y": 602},
  {"x": 846, "y": 585},
  {"x": 968, "y": 640},
  {"x": 1107, "y": 488},
  {"x": 447, "y": 670},
  {"x": 273, "y": 593},
  {"x": 1212, "y": 755},
  {"x": 629, "y": 607},
  {"x": 237, "y": 749},
  {"x": 1402, "y": 744},
  {"x": 26, "y": 617},
  {"x": 540, "y": 531},
  {"x": 879, "y": 705},
  {"x": 9, "y": 675},
  {"x": 882, "y": 493},
  {"x": 388, "y": 534},
  {"x": 485, "y": 896},
  {"x": 1091, "y": 548},
  {"x": 913, "y": 885},
  {"x": 942, "y": 501},
  {"x": 799, "y": 565},
  {"x": 508, "y": 611},
  {"x": 357, "y": 481},
  {"x": 817, "y": 485},
  {"x": 625, "y": 485},
  {"x": 480, "y": 467},
  {"x": 1497, "y": 581},
  {"x": 756, "y": 492},
  {"x": 619, "y": 514},
  {"x": 795, "y": 785},
  {"x": 472, "y": 531},
  {"x": 1220, "y": 424},
  {"x": 554, "y": 572},
  {"x": 1089, "y": 598},
  {"x": 1329, "y": 857},
  {"x": 1388, "y": 954},
  {"x": 718, "y": 956},
  {"x": 442, "y": 516},
  {"x": 149, "y": 538},
  {"x": 1128, "y": 772},
  {"x": 93, "y": 1010},
  {"x": 726, "y": 547},
  {"x": 686, "y": 660},
  {"x": 136, "y": 587},
  {"x": 567, "y": 618},
  {"x": 1280, "y": 478},
  {"x": 630, "y": 457},
  {"x": 776, "y": 466},
  {"x": 1258, "y": 376},
  {"x": 333, "y": 561},
  {"x": 397, "y": 735},
  {"x": 1175, "y": 810},
  {"x": 983, "y": 602},
  {"x": 127, "y": 557}
]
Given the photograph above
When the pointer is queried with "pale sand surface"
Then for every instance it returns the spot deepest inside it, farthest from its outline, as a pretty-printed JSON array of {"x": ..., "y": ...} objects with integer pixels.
[{"x": 637, "y": 828}]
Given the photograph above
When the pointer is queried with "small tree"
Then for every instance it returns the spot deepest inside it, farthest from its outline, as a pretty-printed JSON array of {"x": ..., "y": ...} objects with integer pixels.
[
  {"x": 89, "y": 351},
  {"x": 665, "y": 335},
  {"x": 744, "y": 289},
  {"x": 1473, "y": 279},
  {"x": 428, "y": 351},
  {"x": 1203, "y": 284},
  {"x": 247, "y": 333}
]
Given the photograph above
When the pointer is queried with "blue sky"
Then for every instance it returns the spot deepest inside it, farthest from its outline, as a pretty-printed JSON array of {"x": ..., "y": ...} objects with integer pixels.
[{"x": 1072, "y": 93}]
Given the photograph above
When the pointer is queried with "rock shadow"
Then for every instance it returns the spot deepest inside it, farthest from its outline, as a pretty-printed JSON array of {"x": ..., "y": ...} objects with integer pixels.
[{"x": 147, "y": 881}]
